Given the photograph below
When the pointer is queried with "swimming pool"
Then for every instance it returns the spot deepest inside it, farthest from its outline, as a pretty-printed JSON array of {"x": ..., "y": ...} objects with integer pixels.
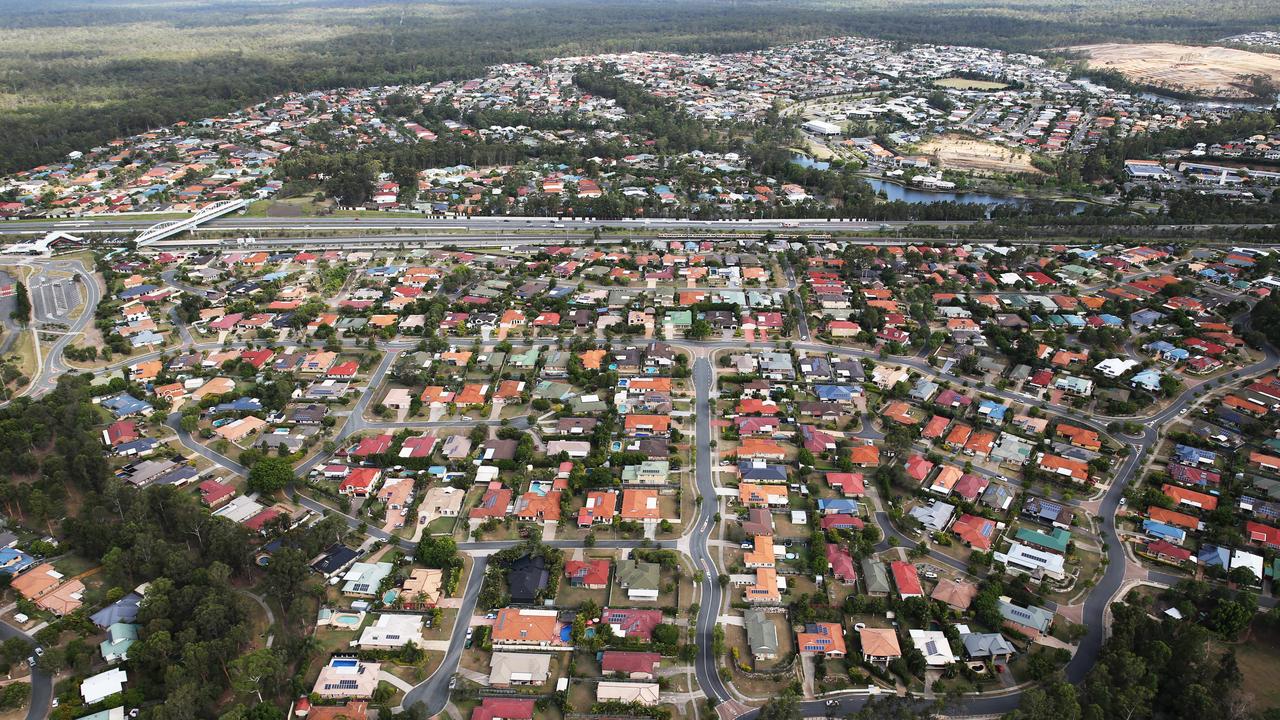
[
  {"x": 346, "y": 619},
  {"x": 344, "y": 662}
]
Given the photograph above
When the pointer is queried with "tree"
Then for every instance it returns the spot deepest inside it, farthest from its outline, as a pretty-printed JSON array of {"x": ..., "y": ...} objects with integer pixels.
[
  {"x": 437, "y": 552},
  {"x": 256, "y": 670},
  {"x": 21, "y": 304},
  {"x": 270, "y": 475},
  {"x": 286, "y": 574},
  {"x": 783, "y": 707}
]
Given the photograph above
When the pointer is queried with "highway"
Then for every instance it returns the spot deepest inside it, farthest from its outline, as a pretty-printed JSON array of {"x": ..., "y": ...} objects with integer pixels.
[{"x": 389, "y": 221}]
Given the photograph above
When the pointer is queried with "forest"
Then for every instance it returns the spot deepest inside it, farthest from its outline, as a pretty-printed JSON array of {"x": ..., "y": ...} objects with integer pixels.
[{"x": 75, "y": 73}]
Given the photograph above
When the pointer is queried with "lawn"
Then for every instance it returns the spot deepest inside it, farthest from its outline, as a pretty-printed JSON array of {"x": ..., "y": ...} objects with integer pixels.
[{"x": 1258, "y": 658}]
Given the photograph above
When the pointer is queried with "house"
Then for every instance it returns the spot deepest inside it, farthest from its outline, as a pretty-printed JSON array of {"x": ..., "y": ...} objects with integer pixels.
[
  {"x": 509, "y": 669},
  {"x": 120, "y": 637},
  {"x": 422, "y": 589},
  {"x": 987, "y": 646},
  {"x": 504, "y": 708},
  {"x": 875, "y": 578},
  {"x": 1031, "y": 561},
  {"x": 589, "y": 574},
  {"x": 1167, "y": 552},
  {"x": 364, "y": 579},
  {"x": 97, "y": 688},
  {"x": 840, "y": 562},
  {"x": 630, "y": 665},
  {"x": 906, "y": 579},
  {"x": 640, "y": 505},
  {"x": 359, "y": 481},
  {"x": 935, "y": 516},
  {"x": 959, "y": 594},
  {"x": 934, "y": 646},
  {"x": 753, "y": 495},
  {"x": 495, "y": 503},
  {"x": 1055, "y": 541},
  {"x": 640, "y": 579},
  {"x": 1049, "y": 512},
  {"x": 627, "y": 692},
  {"x": 632, "y": 623},
  {"x": 527, "y": 578},
  {"x": 440, "y": 501},
  {"x": 762, "y": 634},
  {"x": 392, "y": 632},
  {"x": 1032, "y": 621},
  {"x": 347, "y": 677},
  {"x": 527, "y": 627},
  {"x": 850, "y": 485},
  {"x": 826, "y": 639},
  {"x": 867, "y": 455},
  {"x": 600, "y": 507},
  {"x": 47, "y": 588},
  {"x": 975, "y": 531},
  {"x": 879, "y": 645}
]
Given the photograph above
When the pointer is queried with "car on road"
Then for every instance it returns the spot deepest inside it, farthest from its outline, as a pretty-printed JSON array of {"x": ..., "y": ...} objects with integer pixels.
[
  {"x": 1183, "y": 411},
  {"x": 833, "y": 703}
]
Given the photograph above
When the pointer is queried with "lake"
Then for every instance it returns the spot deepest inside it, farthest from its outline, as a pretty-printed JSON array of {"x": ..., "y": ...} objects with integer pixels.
[{"x": 895, "y": 191}]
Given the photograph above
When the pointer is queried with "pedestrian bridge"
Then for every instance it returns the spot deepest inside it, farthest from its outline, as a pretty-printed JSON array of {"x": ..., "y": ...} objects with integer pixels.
[{"x": 169, "y": 228}]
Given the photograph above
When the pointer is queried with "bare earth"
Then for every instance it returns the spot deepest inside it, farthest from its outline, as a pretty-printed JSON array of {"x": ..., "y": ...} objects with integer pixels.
[
  {"x": 1210, "y": 71},
  {"x": 957, "y": 152}
]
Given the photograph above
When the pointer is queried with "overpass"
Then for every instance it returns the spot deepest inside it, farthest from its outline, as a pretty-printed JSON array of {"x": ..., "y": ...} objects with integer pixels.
[{"x": 169, "y": 228}]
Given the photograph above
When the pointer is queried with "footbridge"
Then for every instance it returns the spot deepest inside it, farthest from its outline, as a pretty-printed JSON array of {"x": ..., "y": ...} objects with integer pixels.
[{"x": 169, "y": 228}]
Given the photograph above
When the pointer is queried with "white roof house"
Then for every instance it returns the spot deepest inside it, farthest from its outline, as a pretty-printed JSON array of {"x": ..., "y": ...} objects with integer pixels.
[
  {"x": 514, "y": 668},
  {"x": 933, "y": 644},
  {"x": 627, "y": 692},
  {"x": 1032, "y": 561},
  {"x": 103, "y": 685},
  {"x": 1115, "y": 367},
  {"x": 1245, "y": 559},
  {"x": 392, "y": 631}
]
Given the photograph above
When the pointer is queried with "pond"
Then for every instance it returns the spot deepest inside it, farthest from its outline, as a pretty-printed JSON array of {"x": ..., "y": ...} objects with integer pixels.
[{"x": 895, "y": 191}]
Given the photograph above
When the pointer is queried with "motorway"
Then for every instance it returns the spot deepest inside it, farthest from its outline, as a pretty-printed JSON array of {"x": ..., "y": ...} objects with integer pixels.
[{"x": 124, "y": 225}]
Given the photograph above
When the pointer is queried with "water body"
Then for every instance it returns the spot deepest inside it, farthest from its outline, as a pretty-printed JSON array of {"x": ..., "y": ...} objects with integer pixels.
[
  {"x": 895, "y": 191},
  {"x": 807, "y": 162},
  {"x": 1255, "y": 105}
]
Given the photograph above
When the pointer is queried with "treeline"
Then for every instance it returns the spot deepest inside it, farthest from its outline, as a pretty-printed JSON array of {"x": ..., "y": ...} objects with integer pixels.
[
  {"x": 1148, "y": 668},
  {"x": 73, "y": 98},
  {"x": 194, "y": 625}
]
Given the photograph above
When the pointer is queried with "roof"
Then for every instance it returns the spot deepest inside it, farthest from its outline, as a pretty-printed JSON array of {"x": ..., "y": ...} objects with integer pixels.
[
  {"x": 506, "y": 667},
  {"x": 906, "y": 579},
  {"x": 525, "y": 626},
  {"x": 879, "y": 642},
  {"x": 526, "y": 577},
  {"x": 630, "y": 662},
  {"x": 1033, "y": 617}
]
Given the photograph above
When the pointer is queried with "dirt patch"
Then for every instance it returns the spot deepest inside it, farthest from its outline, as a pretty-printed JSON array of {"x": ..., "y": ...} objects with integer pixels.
[
  {"x": 957, "y": 152},
  {"x": 959, "y": 83},
  {"x": 1210, "y": 71}
]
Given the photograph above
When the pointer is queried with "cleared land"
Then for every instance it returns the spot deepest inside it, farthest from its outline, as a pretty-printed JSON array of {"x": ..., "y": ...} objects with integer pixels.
[
  {"x": 1208, "y": 71},
  {"x": 957, "y": 152},
  {"x": 957, "y": 83}
]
